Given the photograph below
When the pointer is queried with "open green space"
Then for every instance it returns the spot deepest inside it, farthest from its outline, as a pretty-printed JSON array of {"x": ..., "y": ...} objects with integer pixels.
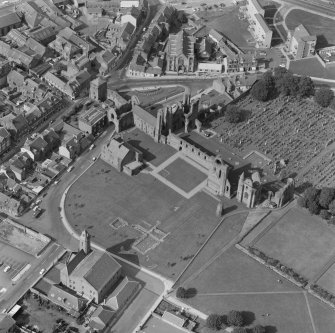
[
  {"x": 288, "y": 312},
  {"x": 299, "y": 241},
  {"x": 312, "y": 67},
  {"x": 228, "y": 229},
  {"x": 152, "y": 96},
  {"x": 234, "y": 272},
  {"x": 228, "y": 23},
  {"x": 102, "y": 194},
  {"x": 327, "y": 280},
  {"x": 323, "y": 315},
  {"x": 322, "y": 27},
  {"x": 183, "y": 175}
]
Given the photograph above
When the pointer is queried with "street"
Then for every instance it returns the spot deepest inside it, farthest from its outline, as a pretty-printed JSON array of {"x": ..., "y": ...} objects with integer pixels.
[{"x": 48, "y": 258}]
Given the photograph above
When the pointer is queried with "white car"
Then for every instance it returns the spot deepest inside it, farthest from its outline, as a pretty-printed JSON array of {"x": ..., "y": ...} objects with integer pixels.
[
  {"x": 7, "y": 268},
  {"x": 42, "y": 271},
  {"x": 94, "y": 159}
]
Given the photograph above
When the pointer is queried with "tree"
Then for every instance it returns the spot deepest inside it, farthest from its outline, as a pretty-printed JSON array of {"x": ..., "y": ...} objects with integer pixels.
[
  {"x": 233, "y": 114},
  {"x": 235, "y": 318},
  {"x": 324, "y": 96},
  {"x": 306, "y": 86},
  {"x": 260, "y": 91},
  {"x": 327, "y": 195},
  {"x": 312, "y": 195},
  {"x": 302, "y": 202},
  {"x": 314, "y": 208},
  {"x": 214, "y": 321},
  {"x": 181, "y": 292},
  {"x": 258, "y": 329},
  {"x": 240, "y": 330},
  {"x": 324, "y": 214},
  {"x": 332, "y": 207}
]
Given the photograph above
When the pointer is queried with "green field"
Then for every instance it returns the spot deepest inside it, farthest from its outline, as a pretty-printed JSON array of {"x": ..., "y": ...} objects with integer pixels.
[
  {"x": 327, "y": 280},
  {"x": 102, "y": 194},
  {"x": 299, "y": 241},
  {"x": 236, "y": 272},
  {"x": 322, "y": 27},
  {"x": 228, "y": 23},
  {"x": 183, "y": 175},
  {"x": 288, "y": 312}
]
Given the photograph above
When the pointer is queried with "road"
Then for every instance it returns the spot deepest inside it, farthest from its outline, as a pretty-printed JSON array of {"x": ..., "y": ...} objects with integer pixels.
[
  {"x": 323, "y": 8},
  {"x": 46, "y": 261}
]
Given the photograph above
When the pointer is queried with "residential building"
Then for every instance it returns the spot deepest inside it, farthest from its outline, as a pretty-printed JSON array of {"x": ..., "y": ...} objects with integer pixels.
[
  {"x": 90, "y": 273},
  {"x": 258, "y": 27},
  {"x": 106, "y": 61},
  {"x": 5, "y": 140},
  {"x": 122, "y": 294},
  {"x": 17, "y": 126},
  {"x": 107, "y": 6},
  {"x": 122, "y": 156},
  {"x": 98, "y": 89},
  {"x": 129, "y": 3},
  {"x": 209, "y": 67},
  {"x": 22, "y": 56},
  {"x": 9, "y": 21},
  {"x": 11, "y": 207},
  {"x": 180, "y": 55},
  {"x": 132, "y": 16},
  {"x": 300, "y": 43},
  {"x": 5, "y": 68},
  {"x": 92, "y": 121},
  {"x": 8, "y": 324},
  {"x": 37, "y": 148},
  {"x": 100, "y": 318}
]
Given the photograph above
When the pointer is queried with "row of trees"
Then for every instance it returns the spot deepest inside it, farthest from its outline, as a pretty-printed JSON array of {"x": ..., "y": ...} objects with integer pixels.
[
  {"x": 234, "y": 319},
  {"x": 282, "y": 81},
  {"x": 319, "y": 202}
]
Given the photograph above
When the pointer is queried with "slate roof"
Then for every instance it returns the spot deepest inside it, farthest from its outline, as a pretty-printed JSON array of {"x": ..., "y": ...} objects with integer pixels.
[
  {"x": 9, "y": 19},
  {"x": 144, "y": 115}
]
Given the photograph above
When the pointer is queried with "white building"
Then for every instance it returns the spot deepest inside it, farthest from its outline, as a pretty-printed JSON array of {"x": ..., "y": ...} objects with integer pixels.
[
  {"x": 130, "y": 3},
  {"x": 209, "y": 67}
]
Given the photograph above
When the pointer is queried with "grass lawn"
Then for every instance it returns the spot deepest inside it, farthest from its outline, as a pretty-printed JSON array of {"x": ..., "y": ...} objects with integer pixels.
[
  {"x": 300, "y": 241},
  {"x": 102, "y": 194},
  {"x": 236, "y": 272},
  {"x": 288, "y": 313},
  {"x": 323, "y": 315},
  {"x": 327, "y": 280},
  {"x": 153, "y": 96},
  {"x": 311, "y": 67},
  {"x": 228, "y": 23},
  {"x": 183, "y": 175},
  {"x": 322, "y": 27},
  {"x": 229, "y": 228}
]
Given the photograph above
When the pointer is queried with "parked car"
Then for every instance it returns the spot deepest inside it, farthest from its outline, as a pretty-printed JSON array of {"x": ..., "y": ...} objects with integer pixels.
[
  {"x": 7, "y": 268},
  {"x": 42, "y": 271}
]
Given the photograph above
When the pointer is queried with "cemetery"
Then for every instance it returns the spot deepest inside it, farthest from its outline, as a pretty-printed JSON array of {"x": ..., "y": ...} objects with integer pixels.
[{"x": 285, "y": 128}]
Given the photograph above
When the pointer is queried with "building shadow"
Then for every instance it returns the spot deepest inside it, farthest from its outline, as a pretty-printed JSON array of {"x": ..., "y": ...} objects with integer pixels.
[
  {"x": 121, "y": 248},
  {"x": 147, "y": 155},
  {"x": 270, "y": 329}
]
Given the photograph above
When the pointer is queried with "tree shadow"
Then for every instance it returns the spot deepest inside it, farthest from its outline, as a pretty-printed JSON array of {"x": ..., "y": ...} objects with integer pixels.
[
  {"x": 321, "y": 42},
  {"x": 270, "y": 329},
  {"x": 191, "y": 292},
  {"x": 248, "y": 317},
  {"x": 302, "y": 187}
]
